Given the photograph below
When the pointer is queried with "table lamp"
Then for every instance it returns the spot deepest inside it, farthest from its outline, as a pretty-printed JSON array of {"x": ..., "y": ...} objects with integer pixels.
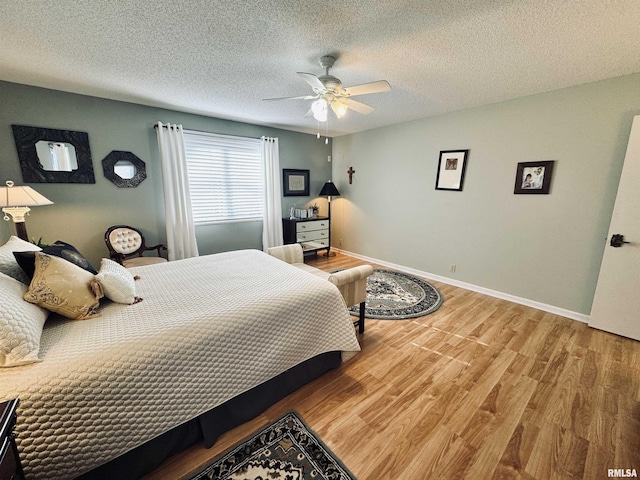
[{"x": 15, "y": 203}]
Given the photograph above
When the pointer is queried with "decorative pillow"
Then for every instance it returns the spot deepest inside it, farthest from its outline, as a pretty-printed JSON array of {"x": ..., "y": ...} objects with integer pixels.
[
  {"x": 70, "y": 253},
  {"x": 8, "y": 264},
  {"x": 26, "y": 260},
  {"x": 21, "y": 325},
  {"x": 117, "y": 283},
  {"x": 64, "y": 288}
]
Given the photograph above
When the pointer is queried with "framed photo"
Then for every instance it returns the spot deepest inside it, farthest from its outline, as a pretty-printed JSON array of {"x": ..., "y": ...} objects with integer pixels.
[
  {"x": 533, "y": 177},
  {"x": 295, "y": 183},
  {"x": 451, "y": 169}
]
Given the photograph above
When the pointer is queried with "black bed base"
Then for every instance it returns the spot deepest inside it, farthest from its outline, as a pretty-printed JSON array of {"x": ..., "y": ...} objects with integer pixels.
[{"x": 210, "y": 425}]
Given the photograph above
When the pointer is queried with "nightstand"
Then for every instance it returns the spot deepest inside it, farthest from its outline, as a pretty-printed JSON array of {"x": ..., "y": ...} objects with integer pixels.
[
  {"x": 10, "y": 467},
  {"x": 312, "y": 233}
]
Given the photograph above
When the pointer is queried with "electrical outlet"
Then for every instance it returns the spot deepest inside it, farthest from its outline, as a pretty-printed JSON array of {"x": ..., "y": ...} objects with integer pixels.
[
  {"x": 452, "y": 268},
  {"x": 340, "y": 243},
  {"x": 329, "y": 158}
]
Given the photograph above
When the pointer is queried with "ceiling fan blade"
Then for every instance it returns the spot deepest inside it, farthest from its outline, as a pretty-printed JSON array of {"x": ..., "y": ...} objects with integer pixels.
[
  {"x": 312, "y": 80},
  {"x": 304, "y": 97},
  {"x": 366, "y": 88},
  {"x": 357, "y": 106}
]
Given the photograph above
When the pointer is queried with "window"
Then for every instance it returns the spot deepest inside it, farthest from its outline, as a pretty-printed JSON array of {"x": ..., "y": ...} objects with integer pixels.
[{"x": 226, "y": 177}]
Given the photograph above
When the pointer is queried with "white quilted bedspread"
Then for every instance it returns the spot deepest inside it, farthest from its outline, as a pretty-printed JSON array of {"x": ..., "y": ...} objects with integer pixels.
[{"x": 208, "y": 329}]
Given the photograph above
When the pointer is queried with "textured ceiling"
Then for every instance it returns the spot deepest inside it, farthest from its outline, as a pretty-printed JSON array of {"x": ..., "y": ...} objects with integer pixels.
[{"x": 221, "y": 57}]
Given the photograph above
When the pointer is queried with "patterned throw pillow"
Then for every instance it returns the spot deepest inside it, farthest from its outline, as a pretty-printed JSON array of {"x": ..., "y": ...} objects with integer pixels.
[
  {"x": 63, "y": 287},
  {"x": 117, "y": 282},
  {"x": 8, "y": 264},
  {"x": 21, "y": 325}
]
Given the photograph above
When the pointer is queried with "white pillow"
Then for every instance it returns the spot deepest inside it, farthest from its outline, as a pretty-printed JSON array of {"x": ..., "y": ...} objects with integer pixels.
[
  {"x": 8, "y": 264},
  {"x": 21, "y": 325},
  {"x": 117, "y": 282}
]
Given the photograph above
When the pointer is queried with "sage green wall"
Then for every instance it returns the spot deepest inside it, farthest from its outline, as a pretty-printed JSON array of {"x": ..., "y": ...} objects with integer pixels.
[
  {"x": 545, "y": 248},
  {"x": 81, "y": 213}
]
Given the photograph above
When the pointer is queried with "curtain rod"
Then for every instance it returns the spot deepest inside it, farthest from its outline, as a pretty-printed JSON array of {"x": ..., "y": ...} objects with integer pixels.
[{"x": 212, "y": 133}]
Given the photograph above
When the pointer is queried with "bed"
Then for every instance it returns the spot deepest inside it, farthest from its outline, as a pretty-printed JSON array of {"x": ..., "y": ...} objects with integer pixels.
[{"x": 210, "y": 331}]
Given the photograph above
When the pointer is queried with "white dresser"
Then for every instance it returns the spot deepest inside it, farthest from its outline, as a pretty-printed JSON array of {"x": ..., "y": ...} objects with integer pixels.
[{"x": 312, "y": 233}]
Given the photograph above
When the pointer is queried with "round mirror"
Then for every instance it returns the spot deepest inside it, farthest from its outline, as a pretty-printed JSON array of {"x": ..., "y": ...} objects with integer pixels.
[{"x": 125, "y": 169}]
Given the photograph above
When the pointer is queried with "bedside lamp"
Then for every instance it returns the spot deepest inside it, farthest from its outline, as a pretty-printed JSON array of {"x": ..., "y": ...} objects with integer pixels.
[{"x": 15, "y": 203}]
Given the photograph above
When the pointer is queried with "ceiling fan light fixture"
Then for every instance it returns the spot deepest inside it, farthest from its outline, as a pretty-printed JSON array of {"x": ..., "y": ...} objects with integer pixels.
[
  {"x": 339, "y": 108},
  {"x": 321, "y": 116},
  {"x": 319, "y": 109},
  {"x": 329, "y": 91}
]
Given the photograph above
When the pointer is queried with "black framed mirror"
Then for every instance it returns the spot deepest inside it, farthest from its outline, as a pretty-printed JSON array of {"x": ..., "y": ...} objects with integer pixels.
[
  {"x": 124, "y": 169},
  {"x": 48, "y": 155}
]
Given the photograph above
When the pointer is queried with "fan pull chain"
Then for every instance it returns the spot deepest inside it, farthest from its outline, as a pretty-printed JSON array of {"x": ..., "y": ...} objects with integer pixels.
[{"x": 326, "y": 131}]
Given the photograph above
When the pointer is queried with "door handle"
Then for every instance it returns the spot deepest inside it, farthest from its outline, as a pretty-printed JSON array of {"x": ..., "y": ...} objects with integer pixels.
[{"x": 617, "y": 240}]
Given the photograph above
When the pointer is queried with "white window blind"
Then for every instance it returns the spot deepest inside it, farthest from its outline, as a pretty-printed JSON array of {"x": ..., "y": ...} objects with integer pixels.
[{"x": 226, "y": 177}]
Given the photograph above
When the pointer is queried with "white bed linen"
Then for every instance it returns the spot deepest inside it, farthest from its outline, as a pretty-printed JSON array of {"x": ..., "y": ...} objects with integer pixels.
[{"x": 208, "y": 329}]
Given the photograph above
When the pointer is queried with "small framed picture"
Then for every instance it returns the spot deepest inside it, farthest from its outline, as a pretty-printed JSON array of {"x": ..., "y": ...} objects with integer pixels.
[
  {"x": 533, "y": 177},
  {"x": 451, "y": 169},
  {"x": 295, "y": 183}
]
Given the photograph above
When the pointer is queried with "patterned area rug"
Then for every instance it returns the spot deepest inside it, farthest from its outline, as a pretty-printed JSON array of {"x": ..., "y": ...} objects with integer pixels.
[
  {"x": 287, "y": 449},
  {"x": 396, "y": 296}
]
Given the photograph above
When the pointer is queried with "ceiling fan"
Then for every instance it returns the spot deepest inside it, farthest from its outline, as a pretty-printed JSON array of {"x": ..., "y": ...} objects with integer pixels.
[{"x": 328, "y": 91}]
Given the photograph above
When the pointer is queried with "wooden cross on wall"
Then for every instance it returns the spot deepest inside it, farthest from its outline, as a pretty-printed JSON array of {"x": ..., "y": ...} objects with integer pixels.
[{"x": 351, "y": 171}]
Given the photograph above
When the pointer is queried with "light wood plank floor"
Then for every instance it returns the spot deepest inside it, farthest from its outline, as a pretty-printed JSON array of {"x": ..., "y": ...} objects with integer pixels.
[{"x": 481, "y": 389}]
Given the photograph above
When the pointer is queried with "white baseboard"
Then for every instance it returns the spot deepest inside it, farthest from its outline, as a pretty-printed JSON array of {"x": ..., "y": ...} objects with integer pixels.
[{"x": 581, "y": 317}]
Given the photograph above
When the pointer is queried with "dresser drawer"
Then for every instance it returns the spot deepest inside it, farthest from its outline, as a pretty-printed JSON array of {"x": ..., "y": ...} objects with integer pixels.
[
  {"x": 318, "y": 242},
  {"x": 313, "y": 225},
  {"x": 312, "y": 236}
]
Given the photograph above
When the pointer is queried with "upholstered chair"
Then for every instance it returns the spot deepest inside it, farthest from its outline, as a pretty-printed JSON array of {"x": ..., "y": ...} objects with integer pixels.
[
  {"x": 351, "y": 282},
  {"x": 126, "y": 246}
]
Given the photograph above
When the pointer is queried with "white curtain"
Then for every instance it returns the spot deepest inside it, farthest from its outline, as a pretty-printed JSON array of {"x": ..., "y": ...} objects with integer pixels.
[
  {"x": 61, "y": 157},
  {"x": 272, "y": 221},
  {"x": 181, "y": 234}
]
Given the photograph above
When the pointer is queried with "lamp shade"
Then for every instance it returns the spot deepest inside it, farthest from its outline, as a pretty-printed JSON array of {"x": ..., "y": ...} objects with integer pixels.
[
  {"x": 339, "y": 108},
  {"x": 329, "y": 190},
  {"x": 23, "y": 196},
  {"x": 319, "y": 109}
]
